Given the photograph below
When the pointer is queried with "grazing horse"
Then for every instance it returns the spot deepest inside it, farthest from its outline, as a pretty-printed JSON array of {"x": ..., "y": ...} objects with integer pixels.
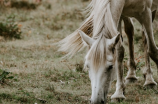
[{"x": 102, "y": 32}]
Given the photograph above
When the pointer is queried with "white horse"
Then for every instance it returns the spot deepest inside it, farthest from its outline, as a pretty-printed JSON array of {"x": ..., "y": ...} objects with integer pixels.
[{"x": 106, "y": 52}]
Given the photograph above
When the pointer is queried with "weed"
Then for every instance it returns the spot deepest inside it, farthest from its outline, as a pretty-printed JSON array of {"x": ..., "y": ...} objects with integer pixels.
[
  {"x": 47, "y": 5},
  {"x": 5, "y": 96},
  {"x": 50, "y": 88},
  {"x": 79, "y": 67},
  {"x": 5, "y": 76},
  {"x": 23, "y": 5},
  {"x": 9, "y": 29}
]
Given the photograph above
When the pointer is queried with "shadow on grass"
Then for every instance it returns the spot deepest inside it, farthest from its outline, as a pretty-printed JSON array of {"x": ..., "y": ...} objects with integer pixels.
[{"x": 25, "y": 97}]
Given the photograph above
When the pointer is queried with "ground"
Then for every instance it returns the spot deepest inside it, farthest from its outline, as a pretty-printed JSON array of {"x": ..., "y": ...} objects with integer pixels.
[{"x": 42, "y": 75}]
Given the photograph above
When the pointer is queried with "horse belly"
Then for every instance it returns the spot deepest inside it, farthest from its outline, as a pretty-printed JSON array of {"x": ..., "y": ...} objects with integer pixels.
[
  {"x": 155, "y": 2},
  {"x": 135, "y": 7}
]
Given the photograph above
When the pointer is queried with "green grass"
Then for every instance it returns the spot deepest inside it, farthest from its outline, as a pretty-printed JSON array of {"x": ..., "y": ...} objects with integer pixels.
[{"x": 42, "y": 76}]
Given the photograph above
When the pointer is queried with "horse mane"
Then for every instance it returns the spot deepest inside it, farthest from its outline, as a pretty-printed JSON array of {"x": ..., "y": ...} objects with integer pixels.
[
  {"x": 73, "y": 42},
  {"x": 103, "y": 26},
  {"x": 98, "y": 23}
]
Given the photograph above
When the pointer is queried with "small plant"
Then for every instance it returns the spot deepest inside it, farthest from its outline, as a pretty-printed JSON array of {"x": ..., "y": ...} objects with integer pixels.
[
  {"x": 4, "y": 75},
  {"x": 23, "y": 5},
  {"x": 9, "y": 29},
  {"x": 79, "y": 67}
]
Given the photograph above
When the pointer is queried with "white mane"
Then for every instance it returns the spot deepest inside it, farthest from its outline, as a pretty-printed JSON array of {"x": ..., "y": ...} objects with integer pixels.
[
  {"x": 103, "y": 26},
  {"x": 99, "y": 22}
]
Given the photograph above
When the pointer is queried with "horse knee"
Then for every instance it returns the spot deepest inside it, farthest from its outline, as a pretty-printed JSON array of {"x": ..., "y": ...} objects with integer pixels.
[
  {"x": 153, "y": 54},
  {"x": 131, "y": 62},
  {"x": 122, "y": 49},
  {"x": 129, "y": 28},
  {"x": 120, "y": 52}
]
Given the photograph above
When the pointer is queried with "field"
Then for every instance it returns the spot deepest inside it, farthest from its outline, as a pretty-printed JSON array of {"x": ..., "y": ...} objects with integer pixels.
[{"x": 41, "y": 75}]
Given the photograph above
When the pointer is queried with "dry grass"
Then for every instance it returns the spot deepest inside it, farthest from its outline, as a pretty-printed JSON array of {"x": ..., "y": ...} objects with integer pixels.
[{"x": 42, "y": 76}]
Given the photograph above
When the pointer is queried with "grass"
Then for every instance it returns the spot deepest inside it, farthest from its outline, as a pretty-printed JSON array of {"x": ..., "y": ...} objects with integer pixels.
[{"x": 42, "y": 76}]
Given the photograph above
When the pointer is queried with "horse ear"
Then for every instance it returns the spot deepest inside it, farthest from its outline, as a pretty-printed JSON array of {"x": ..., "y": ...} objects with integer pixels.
[
  {"x": 89, "y": 41},
  {"x": 116, "y": 39}
]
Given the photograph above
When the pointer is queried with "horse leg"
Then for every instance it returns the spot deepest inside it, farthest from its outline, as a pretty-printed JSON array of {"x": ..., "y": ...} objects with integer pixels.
[
  {"x": 147, "y": 23},
  {"x": 129, "y": 29},
  {"x": 147, "y": 72},
  {"x": 115, "y": 6},
  {"x": 120, "y": 87},
  {"x": 146, "y": 20},
  {"x": 149, "y": 81}
]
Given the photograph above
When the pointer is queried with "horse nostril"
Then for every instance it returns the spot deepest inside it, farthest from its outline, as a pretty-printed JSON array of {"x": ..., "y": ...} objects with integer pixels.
[{"x": 102, "y": 102}]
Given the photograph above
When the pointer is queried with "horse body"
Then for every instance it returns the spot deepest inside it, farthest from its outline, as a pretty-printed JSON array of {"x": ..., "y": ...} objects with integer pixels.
[
  {"x": 130, "y": 8},
  {"x": 155, "y": 2},
  {"x": 106, "y": 52},
  {"x": 134, "y": 7}
]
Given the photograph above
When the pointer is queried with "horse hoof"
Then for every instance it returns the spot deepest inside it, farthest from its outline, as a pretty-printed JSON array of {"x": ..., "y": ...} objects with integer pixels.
[
  {"x": 117, "y": 98},
  {"x": 131, "y": 80},
  {"x": 152, "y": 85}
]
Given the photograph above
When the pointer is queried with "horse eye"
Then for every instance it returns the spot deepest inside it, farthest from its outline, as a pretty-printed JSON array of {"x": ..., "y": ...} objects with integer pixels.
[
  {"x": 113, "y": 49},
  {"x": 110, "y": 67},
  {"x": 87, "y": 66}
]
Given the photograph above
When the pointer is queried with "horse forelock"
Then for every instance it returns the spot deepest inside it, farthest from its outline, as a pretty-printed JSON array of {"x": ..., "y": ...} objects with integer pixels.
[{"x": 97, "y": 53}]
